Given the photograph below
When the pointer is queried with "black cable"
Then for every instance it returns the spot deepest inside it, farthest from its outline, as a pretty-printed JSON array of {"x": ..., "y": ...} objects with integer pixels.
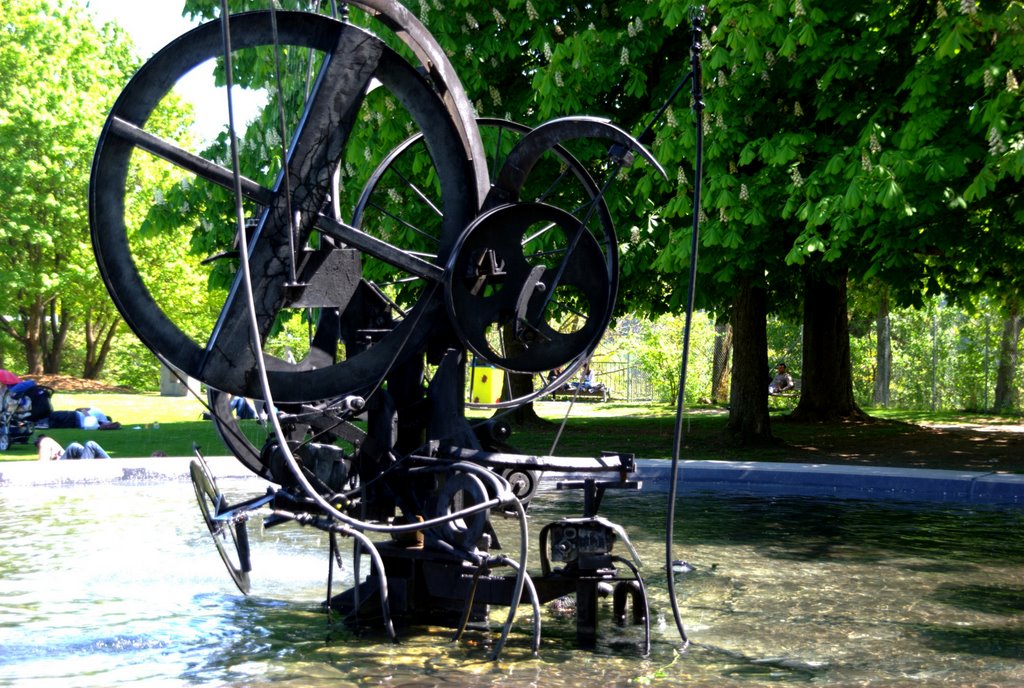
[{"x": 697, "y": 18}]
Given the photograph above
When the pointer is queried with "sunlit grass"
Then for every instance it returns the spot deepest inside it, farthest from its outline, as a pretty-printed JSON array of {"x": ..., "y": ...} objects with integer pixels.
[{"x": 152, "y": 423}]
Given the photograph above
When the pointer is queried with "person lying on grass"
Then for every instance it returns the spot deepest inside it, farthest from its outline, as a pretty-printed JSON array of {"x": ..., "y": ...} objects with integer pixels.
[{"x": 50, "y": 450}]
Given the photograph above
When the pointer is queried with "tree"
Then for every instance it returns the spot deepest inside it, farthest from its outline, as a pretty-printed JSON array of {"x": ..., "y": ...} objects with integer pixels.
[
  {"x": 1006, "y": 397},
  {"x": 844, "y": 141},
  {"x": 750, "y": 363},
  {"x": 58, "y": 75},
  {"x": 873, "y": 110}
]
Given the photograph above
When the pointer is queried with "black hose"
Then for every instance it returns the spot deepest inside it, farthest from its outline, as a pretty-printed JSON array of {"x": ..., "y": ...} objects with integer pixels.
[{"x": 696, "y": 18}]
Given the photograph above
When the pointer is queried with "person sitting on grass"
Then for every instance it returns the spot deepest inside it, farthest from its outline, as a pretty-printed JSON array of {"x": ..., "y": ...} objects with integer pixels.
[{"x": 50, "y": 450}]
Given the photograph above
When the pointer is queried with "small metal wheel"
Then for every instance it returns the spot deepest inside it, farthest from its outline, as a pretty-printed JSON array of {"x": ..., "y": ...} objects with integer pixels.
[
  {"x": 229, "y": 536},
  {"x": 528, "y": 272},
  {"x": 361, "y": 100},
  {"x": 461, "y": 491}
]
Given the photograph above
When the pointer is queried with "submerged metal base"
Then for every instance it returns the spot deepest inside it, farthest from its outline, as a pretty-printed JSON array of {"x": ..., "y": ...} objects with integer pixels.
[{"x": 431, "y": 588}]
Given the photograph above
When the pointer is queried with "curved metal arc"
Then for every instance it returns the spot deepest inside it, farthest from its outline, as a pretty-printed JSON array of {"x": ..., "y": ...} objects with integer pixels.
[
  {"x": 411, "y": 31},
  {"x": 378, "y": 174},
  {"x": 230, "y": 432},
  {"x": 529, "y": 149}
]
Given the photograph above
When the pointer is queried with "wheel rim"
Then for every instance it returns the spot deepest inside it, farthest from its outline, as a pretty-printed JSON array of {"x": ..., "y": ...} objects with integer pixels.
[
  {"x": 219, "y": 358},
  {"x": 230, "y": 541}
]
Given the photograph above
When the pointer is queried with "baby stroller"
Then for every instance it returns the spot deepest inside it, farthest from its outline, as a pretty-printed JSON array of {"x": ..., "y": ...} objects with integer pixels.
[{"x": 21, "y": 406}]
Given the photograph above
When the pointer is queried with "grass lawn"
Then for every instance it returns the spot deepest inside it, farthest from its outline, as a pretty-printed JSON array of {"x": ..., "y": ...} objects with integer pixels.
[{"x": 151, "y": 423}]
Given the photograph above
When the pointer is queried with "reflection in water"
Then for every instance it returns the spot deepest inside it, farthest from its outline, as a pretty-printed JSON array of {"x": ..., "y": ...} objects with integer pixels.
[{"x": 117, "y": 585}]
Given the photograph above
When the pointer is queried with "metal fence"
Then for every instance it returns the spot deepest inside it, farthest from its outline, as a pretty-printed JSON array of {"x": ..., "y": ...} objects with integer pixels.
[{"x": 624, "y": 379}]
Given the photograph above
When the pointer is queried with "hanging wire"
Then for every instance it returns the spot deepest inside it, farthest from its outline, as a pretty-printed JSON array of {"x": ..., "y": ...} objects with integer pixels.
[
  {"x": 697, "y": 19},
  {"x": 283, "y": 133},
  {"x": 254, "y": 331},
  {"x": 565, "y": 418}
]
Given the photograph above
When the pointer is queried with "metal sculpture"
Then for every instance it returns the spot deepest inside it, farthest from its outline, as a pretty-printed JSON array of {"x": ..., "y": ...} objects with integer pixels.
[{"x": 493, "y": 269}]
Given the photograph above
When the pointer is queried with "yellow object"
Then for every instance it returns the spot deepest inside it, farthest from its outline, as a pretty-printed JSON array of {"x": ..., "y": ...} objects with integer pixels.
[{"x": 487, "y": 384}]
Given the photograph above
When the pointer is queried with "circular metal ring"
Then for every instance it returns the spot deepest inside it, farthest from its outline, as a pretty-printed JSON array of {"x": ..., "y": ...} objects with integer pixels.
[
  {"x": 461, "y": 491},
  {"x": 532, "y": 272},
  {"x": 230, "y": 538},
  {"x": 114, "y": 212}
]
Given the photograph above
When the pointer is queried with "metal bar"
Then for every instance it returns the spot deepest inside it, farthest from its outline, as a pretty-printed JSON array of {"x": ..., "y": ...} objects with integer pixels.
[
  {"x": 377, "y": 248},
  {"x": 584, "y": 464},
  {"x": 202, "y": 167}
]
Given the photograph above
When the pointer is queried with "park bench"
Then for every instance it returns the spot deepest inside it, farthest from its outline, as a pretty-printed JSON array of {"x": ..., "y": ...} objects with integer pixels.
[
  {"x": 794, "y": 391},
  {"x": 586, "y": 394}
]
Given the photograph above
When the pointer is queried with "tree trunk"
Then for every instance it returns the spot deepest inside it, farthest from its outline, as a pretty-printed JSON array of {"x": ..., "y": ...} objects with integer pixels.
[
  {"x": 517, "y": 385},
  {"x": 57, "y": 326},
  {"x": 826, "y": 391},
  {"x": 1006, "y": 391},
  {"x": 883, "y": 352},
  {"x": 99, "y": 338},
  {"x": 749, "y": 421},
  {"x": 720, "y": 364},
  {"x": 33, "y": 337}
]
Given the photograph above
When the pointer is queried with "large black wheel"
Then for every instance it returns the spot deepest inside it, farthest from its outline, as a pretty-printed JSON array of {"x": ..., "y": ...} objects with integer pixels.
[{"x": 361, "y": 100}]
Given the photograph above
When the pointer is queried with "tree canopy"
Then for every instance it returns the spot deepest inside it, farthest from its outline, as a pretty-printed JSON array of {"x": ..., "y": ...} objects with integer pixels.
[
  {"x": 871, "y": 140},
  {"x": 58, "y": 76}
]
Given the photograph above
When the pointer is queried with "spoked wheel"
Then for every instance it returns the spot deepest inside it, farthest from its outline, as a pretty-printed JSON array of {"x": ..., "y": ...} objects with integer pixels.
[
  {"x": 527, "y": 291},
  {"x": 229, "y": 536},
  {"x": 150, "y": 187},
  {"x": 564, "y": 329},
  {"x": 240, "y": 441}
]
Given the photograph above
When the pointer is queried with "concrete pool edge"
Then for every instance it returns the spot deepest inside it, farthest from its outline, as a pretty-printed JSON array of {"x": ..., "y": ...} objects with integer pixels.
[
  {"x": 735, "y": 477},
  {"x": 839, "y": 481}
]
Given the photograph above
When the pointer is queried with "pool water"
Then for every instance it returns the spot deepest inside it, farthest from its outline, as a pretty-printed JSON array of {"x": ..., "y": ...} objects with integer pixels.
[{"x": 110, "y": 585}]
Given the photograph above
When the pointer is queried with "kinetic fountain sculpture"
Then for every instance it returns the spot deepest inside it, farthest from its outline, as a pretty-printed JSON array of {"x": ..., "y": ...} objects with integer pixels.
[{"x": 477, "y": 262}]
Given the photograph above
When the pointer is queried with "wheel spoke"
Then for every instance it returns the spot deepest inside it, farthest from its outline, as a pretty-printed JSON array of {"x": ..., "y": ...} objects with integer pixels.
[
  {"x": 373, "y": 246},
  {"x": 405, "y": 223},
  {"x": 419, "y": 192},
  {"x": 201, "y": 167}
]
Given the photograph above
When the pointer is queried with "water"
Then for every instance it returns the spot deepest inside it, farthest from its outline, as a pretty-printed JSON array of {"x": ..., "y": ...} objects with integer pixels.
[{"x": 109, "y": 585}]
